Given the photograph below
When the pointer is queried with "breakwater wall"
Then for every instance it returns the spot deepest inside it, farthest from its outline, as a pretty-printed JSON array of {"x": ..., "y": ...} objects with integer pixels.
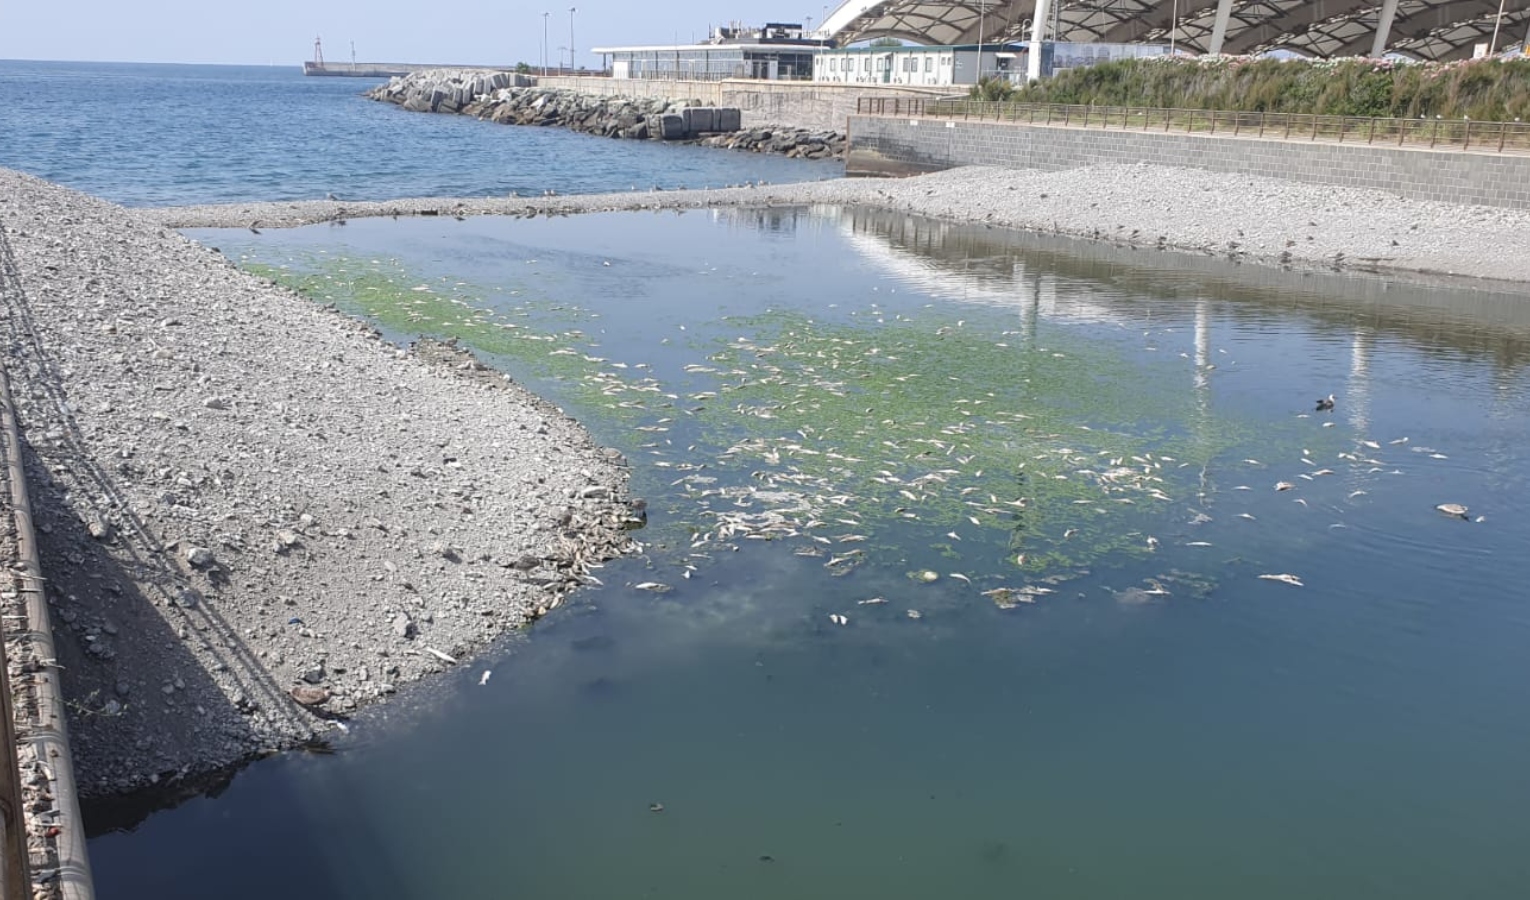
[
  {"x": 494, "y": 96},
  {"x": 797, "y": 104},
  {"x": 903, "y": 146}
]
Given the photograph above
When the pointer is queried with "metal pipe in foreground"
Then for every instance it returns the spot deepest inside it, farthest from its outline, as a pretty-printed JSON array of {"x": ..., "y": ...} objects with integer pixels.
[{"x": 49, "y": 728}]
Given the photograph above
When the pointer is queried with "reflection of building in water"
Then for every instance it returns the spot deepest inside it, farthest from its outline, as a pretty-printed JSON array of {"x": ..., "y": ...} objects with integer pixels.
[
  {"x": 770, "y": 219},
  {"x": 1099, "y": 282},
  {"x": 1357, "y": 395}
]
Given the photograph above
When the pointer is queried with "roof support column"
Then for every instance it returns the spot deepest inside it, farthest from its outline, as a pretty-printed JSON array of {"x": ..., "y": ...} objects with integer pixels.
[
  {"x": 1219, "y": 28},
  {"x": 1038, "y": 34},
  {"x": 1383, "y": 28}
]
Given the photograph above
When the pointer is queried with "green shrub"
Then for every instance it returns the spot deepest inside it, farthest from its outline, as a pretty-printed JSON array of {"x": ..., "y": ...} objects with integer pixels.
[
  {"x": 1489, "y": 89},
  {"x": 992, "y": 89}
]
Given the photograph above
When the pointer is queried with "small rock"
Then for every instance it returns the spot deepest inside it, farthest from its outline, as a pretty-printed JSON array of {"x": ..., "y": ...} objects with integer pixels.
[
  {"x": 215, "y": 403},
  {"x": 402, "y": 626},
  {"x": 310, "y": 696},
  {"x": 201, "y": 557}
]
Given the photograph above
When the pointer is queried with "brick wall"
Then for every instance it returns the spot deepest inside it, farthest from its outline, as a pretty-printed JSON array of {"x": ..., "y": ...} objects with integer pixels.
[{"x": 903, "y": 146}]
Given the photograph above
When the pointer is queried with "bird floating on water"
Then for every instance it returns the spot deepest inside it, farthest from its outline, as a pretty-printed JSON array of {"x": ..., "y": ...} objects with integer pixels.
[
  {"x": 1325, "y": 404},
  {"x": 1454, "y": 509}
]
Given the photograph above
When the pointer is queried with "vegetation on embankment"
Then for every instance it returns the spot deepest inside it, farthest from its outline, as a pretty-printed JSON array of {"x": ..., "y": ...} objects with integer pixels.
[{"x": 1485, "y": 90}]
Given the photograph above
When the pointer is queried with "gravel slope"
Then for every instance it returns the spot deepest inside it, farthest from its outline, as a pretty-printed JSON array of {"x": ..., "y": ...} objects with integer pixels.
[
  {"x": 253, "y": 513},
  {"x": 1252, "y": 219}
]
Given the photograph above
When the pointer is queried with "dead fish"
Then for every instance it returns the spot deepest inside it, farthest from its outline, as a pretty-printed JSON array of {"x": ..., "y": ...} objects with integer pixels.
[
  {"x": 1284, "y": 579},
  {"x": 960, "y": 577},
  {"x": 654, "y": 586},
  {"x": 915, "y": 614},
  {"x": 838, "y": 619},
  {"x": 1454, "y": 509},
  {"x": 1199, "y": 544},
  {"x": 874, "y": 601},
  {"x": 1284, "y": 485}
]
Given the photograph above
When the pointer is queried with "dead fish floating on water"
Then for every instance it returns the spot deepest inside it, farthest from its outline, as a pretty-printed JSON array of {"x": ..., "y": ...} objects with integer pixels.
[
  {"x": 1454, "y": 509},
  {"x": 1284, "y": 485},
  {"x": 838, "y": 619},
  {"x": 1284, "y": 579}
]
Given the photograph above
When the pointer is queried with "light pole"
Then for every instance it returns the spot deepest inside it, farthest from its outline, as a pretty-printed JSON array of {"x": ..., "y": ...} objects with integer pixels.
[
  {"x": 571, "y": 40},
  {"x": 982, "y": 12},
  {"x": 1498, "y": 21},
  {"x": 1174, "y": 26},
  {"x": 544, "y": 44}
]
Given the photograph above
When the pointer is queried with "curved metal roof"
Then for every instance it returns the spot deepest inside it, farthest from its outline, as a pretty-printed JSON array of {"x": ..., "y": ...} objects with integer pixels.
[{"x": 1425, "y": 29}]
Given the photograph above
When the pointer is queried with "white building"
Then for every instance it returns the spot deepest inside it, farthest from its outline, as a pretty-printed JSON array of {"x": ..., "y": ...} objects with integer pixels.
[
  {"x": 930, "y": 66},
  {"x": 777, "y": 52}
]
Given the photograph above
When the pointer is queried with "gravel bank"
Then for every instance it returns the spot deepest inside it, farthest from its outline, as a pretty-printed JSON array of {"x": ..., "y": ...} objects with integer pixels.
[
  {"x": 1190, "y": 210},
  {"x": 254, "y": 514}
]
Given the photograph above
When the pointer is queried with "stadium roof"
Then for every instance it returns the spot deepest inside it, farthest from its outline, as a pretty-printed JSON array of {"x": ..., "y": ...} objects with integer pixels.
[{"x": 1424, "y": 29}]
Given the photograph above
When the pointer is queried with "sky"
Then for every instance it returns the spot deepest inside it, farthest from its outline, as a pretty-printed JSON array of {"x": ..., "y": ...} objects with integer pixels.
[{"x": 281, "y": 32}]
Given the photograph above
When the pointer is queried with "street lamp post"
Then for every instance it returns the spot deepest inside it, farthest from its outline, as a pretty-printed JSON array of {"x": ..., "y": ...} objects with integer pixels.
[
  {"x": 571, "y": 40},
  {"x": 1498, "y": 21},
  {"x": 982, "y": 13},
  {"x": 544, "y": 43}
]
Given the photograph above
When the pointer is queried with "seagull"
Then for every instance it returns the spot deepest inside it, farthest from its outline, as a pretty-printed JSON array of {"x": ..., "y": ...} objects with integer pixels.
[
  {"x": 1325, "y": 404},
  {"x": 253, "y": 229}
]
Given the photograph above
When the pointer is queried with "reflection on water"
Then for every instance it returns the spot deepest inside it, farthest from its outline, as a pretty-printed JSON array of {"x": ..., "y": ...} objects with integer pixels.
[{"x": 1035, "y": 484}]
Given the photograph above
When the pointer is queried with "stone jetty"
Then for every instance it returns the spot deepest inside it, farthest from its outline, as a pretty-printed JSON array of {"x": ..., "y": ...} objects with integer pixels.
[{"x": 507, "y": 98}]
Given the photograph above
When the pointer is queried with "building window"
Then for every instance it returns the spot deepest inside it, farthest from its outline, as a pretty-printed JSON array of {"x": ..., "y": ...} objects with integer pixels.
[
  {"x": 929, "y": 64},
  {"x": 945, "y": 60}
]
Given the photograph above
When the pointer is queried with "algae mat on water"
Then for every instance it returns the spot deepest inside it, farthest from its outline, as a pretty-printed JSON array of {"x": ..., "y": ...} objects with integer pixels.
[{"x": 848, "y": 434}]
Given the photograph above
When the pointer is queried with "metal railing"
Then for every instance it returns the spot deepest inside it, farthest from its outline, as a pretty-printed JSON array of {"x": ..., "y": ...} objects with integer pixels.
[{"x": 1450, "y": 134}]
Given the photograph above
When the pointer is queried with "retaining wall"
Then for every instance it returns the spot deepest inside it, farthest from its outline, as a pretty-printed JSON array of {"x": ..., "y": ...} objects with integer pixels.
[
  {"x": 887, "y": 146},
  {"x": 795, "y": 103}
]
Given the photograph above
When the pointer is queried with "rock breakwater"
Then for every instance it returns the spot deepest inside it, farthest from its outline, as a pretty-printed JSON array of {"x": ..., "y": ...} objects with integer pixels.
[{"x": 498, "y": 97}]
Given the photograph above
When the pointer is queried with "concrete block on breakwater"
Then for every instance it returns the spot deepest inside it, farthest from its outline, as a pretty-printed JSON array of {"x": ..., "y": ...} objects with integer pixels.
[{"x": 497, "y": 97}]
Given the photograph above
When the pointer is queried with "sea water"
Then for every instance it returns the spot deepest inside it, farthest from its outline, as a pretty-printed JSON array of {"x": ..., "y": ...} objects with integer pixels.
[
  {"x": 1039, "y": 482},
  {"x": 161, "y": 135}
]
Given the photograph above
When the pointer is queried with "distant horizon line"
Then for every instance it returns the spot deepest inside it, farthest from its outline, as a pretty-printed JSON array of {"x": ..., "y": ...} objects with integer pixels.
[{"x": 298, "y": 64}]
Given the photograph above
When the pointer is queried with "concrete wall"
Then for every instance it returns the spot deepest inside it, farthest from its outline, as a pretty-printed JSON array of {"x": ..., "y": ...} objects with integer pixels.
[
  {"x": 793, "y": 103},
  {"x": 905, "y": 146},
  {"x": 808, "y": 105},
  {"x": 708, "y": 92}
]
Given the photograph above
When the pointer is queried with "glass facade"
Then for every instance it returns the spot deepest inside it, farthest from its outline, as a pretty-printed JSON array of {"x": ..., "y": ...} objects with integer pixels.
[{"x": 711, "y": 62}]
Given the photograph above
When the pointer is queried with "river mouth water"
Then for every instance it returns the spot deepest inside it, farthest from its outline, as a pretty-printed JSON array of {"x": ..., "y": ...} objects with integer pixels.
[{"x": 1038, "y": 482}]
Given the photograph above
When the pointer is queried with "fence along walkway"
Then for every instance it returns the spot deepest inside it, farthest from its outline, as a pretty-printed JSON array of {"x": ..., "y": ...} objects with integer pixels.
[{"x": 1435, "y": 134}]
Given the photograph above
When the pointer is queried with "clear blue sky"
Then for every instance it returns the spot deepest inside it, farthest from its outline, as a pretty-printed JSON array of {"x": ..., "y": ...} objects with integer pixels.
[{"x": 282, "y": 31}]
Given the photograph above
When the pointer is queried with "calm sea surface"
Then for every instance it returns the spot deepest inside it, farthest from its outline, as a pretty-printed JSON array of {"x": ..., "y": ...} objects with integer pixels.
[
  {"x": 161, "y": 135},
  {"x": 1035, "y": 484}
]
